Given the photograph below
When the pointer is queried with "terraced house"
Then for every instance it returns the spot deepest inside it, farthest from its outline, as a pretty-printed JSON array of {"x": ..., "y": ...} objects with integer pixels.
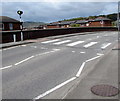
[
  {"x": 8, "y": 24},
  {"x": 98, "y": 22}
]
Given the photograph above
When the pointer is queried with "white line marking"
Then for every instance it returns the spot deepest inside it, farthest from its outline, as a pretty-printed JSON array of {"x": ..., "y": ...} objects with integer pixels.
[
  {"x": 43, "y": 48},
  {"x": 82, "y": 52},
  {"x": 34, "y": 46},
  {"x": 55, "y": 88},
  {"x": 90, "y": 44},
  {"x": 98, "y": 36},
  {"x": 23, "y": 45},
  {"x": 80, "y": 70},
  {"x": 75, "y": 43},
  {"x": 105, "y": 45},
  {"x": 51, "y": 41},
  {"x": 100, "y": 54},
  {"x": 24, "y": 60},
  {"x": 73, "y": 51},
  {"x": 92, "y": 58},
  {"x": 5, "y": 67},
  {"x": 56, "y": 49},
  {"x": 11, "y": 48},
  {"x": 61, "y": 42}
]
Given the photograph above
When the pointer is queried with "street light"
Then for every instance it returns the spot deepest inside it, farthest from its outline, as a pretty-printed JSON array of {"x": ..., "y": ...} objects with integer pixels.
[{"x": 19, "y": 12}]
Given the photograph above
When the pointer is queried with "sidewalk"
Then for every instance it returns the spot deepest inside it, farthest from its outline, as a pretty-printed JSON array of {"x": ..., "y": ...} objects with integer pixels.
[
  {"x": 11, "y": 44},
  {"x": 105, "y": 72}
]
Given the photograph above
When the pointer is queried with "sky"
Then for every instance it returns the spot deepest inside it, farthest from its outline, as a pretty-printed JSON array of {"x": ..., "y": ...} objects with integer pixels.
[{"x": 56, "y": 11}]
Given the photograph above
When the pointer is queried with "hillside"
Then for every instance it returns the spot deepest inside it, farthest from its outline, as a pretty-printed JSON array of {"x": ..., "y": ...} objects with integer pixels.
[
  {"x": 113, "y": 17},
  {"x": 32, "y": 24}
]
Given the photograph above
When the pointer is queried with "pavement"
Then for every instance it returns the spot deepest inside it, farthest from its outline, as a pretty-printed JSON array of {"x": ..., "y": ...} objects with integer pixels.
[
  {"x": 105, "y": 72},
  {"x": 60, "y": 67}
]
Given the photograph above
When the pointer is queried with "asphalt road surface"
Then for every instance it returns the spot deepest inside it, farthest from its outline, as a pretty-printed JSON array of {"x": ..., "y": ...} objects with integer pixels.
[{"x": 34, "y": 70}]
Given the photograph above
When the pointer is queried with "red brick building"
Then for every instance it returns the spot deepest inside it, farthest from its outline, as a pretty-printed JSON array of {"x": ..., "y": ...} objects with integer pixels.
[
  {"x": 100, "y": 22},
  {"x": 7, "y": 23}
]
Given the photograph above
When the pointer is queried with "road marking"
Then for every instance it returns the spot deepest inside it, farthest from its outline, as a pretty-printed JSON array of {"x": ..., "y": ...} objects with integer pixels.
[
  {"x": 75, "y": 43},
  {"x": 43, "y": 48},
  {"x": 73, "y": 51},
  {"x": 33, "y": 46},
  {"x": 11, "y": 48},
  {"x": 5, "y": 67},
  {"x": 24, "y": 60},
  {"x": 56, "y": 49},
  {"x": 105, "y": 45},
  {"x": 55, "y": 88},
  {"x": 93, "y": 58},
  {"x": 90, "y": 44},
  {"x": 98, "y": 36},
  {"x": 23, "y": 45},
  {"x": 80, "y": 70},
  {"x": 100, "y": 54},
  {"x": 51, "y": 41},
  {"x": 61, "y": 42},
  {"x": 82, "y": 52}
]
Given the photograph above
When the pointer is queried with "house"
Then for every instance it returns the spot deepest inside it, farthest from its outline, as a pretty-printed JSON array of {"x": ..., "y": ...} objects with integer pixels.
[
  {"x": 66, "y": 24},
  {"x": 100, "y": 22},
  {"x": 82, "y": 23},
  {"x": 60, "y": 24},
  {"x": 7, "y": 23}
]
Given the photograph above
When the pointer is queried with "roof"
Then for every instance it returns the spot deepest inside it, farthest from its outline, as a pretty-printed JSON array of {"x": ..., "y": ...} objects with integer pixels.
[
  {"x": 8, "y": 19},
  {"x": 101, "y": 18},
  {"x": 67, "y": 22},
  {"x": 81, "y": 21}
]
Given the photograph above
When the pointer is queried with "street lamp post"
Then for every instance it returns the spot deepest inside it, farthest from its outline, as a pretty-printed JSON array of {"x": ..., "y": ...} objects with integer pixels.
[{"x": 19, "y": 12}]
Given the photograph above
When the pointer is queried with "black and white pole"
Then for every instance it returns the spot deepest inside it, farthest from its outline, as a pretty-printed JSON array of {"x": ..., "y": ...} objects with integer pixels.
[{"x": 21, "y": 27}]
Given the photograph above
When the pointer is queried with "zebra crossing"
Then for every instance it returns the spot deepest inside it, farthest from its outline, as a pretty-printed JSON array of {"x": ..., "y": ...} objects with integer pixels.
[{"x": 71, "y": 43}]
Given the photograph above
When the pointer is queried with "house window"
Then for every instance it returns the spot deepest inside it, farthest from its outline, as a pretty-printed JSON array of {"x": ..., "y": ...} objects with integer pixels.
[
  {"x": 2, "y": 26},
  {"x": 11, "y": 26}
]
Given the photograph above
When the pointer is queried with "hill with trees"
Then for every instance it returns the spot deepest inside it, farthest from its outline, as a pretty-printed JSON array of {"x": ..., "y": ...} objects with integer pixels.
[{"x": 113, "y": 17}]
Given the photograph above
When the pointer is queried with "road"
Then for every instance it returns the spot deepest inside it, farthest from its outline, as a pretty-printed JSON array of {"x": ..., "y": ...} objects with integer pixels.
[{"x": 34, "y": 70}]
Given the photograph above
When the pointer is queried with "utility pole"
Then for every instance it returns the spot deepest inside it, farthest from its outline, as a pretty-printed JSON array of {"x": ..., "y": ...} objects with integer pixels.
[
  {"x": 118, "y": 16},
  {"x": 21, "y": 26}
]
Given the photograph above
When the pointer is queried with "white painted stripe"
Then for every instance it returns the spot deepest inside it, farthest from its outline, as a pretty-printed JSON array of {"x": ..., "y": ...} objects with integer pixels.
[
  {"x": 90, "y": 44},
  {"x": 73, "y": 51},
  {"x": 105, "y": 45},
  {"x": 93, "y": 58},
  {"x": 80, "y": 70},
  {"x": 5, "y": 67},
  {"x": 23, "y": 45},
  {"x": 11, "y": 48},
  {"x": 55, "y": 88},
  {"x": 51, "y": 41},
  {"x": 24, "y": 60},
  {"x": 100, "y": 54},
  {"x": 33, "y": 46},
  {"x": 82, "y": 52},
  {"x": 56, "y": 49},
  {"x": 75, "y": 43},
  {"x": 61, "y": 42}
]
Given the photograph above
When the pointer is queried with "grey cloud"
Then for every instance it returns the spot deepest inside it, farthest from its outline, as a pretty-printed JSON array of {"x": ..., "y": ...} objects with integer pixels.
[{"x": 48, "y": 12}]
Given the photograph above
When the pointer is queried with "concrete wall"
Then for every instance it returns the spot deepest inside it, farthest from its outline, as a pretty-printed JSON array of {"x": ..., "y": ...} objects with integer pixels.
[{"x": 7, "y": 36}]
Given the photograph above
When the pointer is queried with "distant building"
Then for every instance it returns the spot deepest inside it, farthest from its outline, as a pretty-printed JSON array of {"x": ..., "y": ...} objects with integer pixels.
[
  {"x": 100, "y": 22},
  {"x": 7, "y": 23}
]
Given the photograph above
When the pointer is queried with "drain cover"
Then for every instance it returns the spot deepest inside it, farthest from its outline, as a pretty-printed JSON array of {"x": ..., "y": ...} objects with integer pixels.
[{"x": 104, "y": 90}]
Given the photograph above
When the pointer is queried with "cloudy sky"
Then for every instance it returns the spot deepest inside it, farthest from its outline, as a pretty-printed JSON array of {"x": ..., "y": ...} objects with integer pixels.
[{"x": 55, "y": 11}]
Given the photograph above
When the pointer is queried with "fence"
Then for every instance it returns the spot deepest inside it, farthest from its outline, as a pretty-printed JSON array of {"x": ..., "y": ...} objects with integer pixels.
[{"x": 11, "y": 36}]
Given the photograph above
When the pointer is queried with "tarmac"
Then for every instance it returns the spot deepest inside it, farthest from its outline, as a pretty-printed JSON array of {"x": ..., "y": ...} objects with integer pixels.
[{"x": 105, "y": 72}]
